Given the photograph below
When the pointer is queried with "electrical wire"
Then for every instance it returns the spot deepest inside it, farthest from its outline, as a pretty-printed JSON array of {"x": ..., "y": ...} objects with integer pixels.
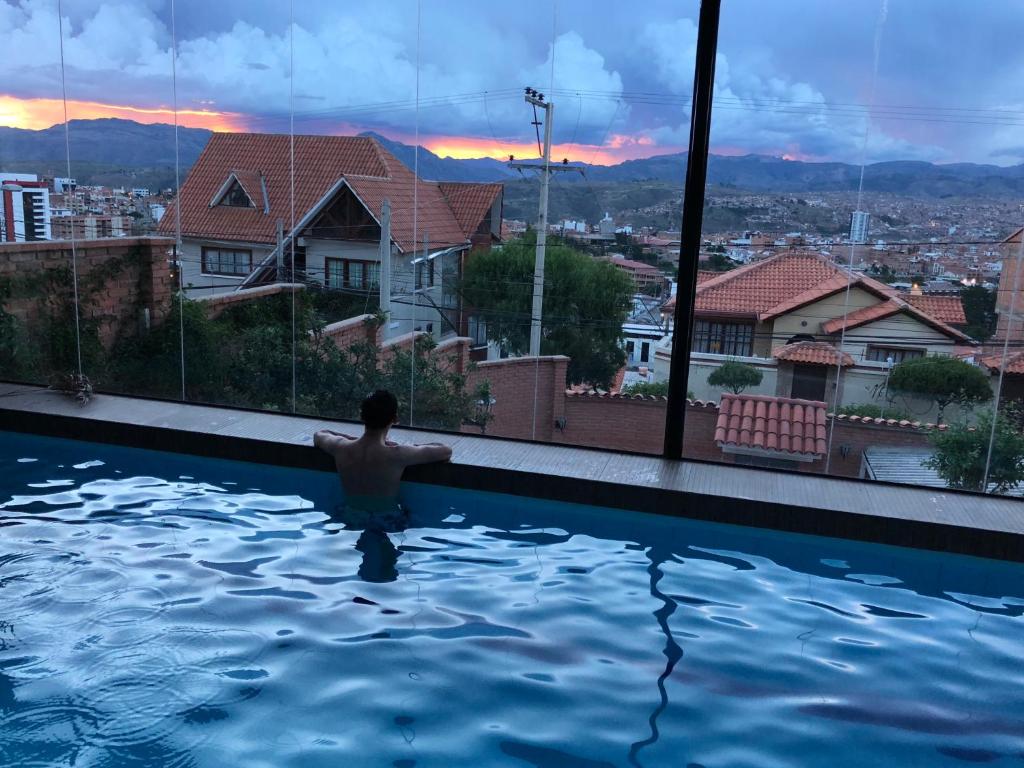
[{"x": 67, "y": 157}]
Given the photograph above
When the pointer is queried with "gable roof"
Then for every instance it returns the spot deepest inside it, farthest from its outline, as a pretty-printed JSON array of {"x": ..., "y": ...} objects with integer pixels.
[
  {"x": 781, "y": 424},
  {"x": 768, "y": 289},
  {"x": 893, "y": 306},
  {"x": 470, "y": 203},
  {"x": 373, "y": 174}
]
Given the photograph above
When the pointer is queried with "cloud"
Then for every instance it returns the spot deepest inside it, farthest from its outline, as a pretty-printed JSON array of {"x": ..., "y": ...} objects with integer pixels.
[{"x": 768, "y": 113}]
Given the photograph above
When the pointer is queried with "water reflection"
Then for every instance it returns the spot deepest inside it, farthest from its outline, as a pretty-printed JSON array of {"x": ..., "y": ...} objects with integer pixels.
[
  {"x": 380, "y": 556},
  {"x": 673, "y": 653}
]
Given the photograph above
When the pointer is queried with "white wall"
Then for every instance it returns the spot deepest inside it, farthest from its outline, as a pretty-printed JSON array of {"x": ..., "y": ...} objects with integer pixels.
[{"x": 198, "y": 284}]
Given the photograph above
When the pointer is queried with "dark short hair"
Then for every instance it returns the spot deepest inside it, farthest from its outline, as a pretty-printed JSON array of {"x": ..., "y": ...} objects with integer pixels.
[{"x": 379, "y": 409}]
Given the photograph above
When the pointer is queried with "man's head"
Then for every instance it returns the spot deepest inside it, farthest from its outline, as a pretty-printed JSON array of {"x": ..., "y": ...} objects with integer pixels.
[{"x": 379, "y": 410}]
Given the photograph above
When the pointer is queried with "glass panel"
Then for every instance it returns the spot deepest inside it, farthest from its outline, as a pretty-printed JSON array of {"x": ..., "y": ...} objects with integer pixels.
[{"x": 845, "y": 317}]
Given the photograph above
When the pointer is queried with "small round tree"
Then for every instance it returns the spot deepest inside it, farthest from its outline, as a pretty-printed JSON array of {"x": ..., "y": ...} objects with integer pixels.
[
  {"x": 943, "y": 380},
  {"x": 735, "y": 376},
  {"x": 962, "y": 451}
]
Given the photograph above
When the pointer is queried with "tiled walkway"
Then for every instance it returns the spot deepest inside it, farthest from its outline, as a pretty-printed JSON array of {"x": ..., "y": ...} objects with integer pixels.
[{"x": 921, "y": 517}]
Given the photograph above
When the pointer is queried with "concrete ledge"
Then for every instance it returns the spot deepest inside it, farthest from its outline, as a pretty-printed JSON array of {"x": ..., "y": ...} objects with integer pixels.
[{"x": 868, "y": 511}]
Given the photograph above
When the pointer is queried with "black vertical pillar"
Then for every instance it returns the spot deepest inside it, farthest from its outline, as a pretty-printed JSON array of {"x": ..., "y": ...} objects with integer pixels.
[{"x": 693, "y": 220}]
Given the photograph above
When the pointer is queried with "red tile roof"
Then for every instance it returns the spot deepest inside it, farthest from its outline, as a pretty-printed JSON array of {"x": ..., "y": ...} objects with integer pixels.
[
  {"x": 757, "y": 289},
  {"x": 373, "y": 174},
  {"x": 1014, "y": 362},
  {"x": 777, "y": 424},
  {"x": 635, "y": 266},
  {"x": 703, "y": 275},
  {"x": 888, "y": 308},
  {"x": 948, "y": 309},
  {"x": 470, "y": 202},
  {"x": 813, "y": 353}
]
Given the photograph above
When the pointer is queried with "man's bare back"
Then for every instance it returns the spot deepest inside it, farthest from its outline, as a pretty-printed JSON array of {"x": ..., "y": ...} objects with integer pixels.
[{"x": 371, "y": 466}]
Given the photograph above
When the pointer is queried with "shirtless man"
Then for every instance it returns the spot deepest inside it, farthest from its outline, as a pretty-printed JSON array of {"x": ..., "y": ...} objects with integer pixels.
[{"x": 371, "y": 466}]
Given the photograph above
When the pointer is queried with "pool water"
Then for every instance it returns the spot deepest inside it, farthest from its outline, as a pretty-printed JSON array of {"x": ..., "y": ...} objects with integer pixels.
[{"x": 164, "y": 610}]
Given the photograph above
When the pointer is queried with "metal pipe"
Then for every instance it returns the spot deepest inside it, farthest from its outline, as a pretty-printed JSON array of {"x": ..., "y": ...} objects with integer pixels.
[{"x": 692, "y": 223}]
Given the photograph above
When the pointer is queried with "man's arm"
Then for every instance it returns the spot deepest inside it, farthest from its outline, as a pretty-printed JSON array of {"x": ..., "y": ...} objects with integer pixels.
[
  {"x": 425, "y": 454},
  {"x": 329, "y": 440}
]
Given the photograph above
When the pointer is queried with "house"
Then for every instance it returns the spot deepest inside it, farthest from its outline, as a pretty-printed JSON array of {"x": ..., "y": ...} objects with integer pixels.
[
  {"x": 792, "y": 317},
  {"x": 243, "y": 218},
  {"x": 644, "y": 276}
]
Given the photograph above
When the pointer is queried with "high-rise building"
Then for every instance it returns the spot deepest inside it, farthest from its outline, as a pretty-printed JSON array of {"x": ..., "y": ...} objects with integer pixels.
[
  {"x": 859, "y": 222},
  {"x": 24, "y": 208}
]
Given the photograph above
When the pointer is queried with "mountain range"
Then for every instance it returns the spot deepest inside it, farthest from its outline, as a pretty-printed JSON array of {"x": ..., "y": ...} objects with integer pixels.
[{"x": 102, "y": 147}]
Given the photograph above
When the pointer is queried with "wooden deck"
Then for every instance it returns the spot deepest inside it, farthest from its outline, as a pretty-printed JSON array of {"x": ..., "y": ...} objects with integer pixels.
[{"x": 928, "y": 518}]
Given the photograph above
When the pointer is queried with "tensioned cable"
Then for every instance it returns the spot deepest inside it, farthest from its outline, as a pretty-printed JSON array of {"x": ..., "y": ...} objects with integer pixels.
[
  {"x": 291, "y": 151},
  {"x": 879, "y": 28},
  {"x": 1002, "y": 365},
  {"x": 546, "y": 180},
  {"x": 415, "y": 218},
  {"x": 177, "y": 204},
  {"x": 67, "y": 154}
]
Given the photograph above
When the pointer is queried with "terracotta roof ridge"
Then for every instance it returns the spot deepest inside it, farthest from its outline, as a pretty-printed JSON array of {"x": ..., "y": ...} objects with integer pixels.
[{"x": 878, "y": 421}]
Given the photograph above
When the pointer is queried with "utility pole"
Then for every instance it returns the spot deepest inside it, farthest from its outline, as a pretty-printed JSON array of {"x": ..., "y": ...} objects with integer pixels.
[
  {"x": 537, "y": 100},
  {"x": 385, "y": 265}
]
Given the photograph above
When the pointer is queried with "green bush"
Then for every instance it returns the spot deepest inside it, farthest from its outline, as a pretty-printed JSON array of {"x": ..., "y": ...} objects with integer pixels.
[
  {"x": 735, "y": 376},
  {"x": 943, "y": 380},
  {"x": 961, "y": 452}
]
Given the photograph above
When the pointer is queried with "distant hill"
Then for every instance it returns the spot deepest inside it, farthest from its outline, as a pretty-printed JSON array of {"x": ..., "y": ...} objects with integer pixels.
[
  {"x": 111, "y": 149},
  {"x": 107, "y": 141}
]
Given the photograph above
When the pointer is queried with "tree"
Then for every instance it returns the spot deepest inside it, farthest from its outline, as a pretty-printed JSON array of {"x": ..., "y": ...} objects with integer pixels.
[
  {"x": 943, "y": 380},
  {"x": 735, "y": 376},
  {"x": 980, "y": 311},
  {"x": 585, "y": 304},
  {"x": 962, "y": 450},
  {"x": 720, "y": 262}
]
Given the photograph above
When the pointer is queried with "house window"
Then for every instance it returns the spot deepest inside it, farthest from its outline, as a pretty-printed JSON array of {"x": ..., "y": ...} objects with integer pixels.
[
  {"x": 236, "y": 197},
  {"x": 227, "y": 261},
  {"x": 630, "y": 349},
  {"x": 351, "y": 273},
  {"x": 477, "y": 331},
  {"x": 645, "y": 352},
  {"x": 723, "y": 338},
  {"x": 425, "y": 274},
  {"x": 898, "y": 354}
]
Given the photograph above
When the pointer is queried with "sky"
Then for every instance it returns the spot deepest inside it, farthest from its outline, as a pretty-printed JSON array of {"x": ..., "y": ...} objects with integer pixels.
[{"x": 845, "y": 80}]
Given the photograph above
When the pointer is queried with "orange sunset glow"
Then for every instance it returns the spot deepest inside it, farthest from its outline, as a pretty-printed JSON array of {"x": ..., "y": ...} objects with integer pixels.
[{"x": 36, "y": 114}]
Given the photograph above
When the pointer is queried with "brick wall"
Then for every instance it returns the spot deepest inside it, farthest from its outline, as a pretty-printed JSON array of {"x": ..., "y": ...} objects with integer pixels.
[
  {"x": 360, "y": 329},
  {"x": 117, "y": 303},
  {"x": 513, "y": 383},
  {"x": 216, "y": 303}
]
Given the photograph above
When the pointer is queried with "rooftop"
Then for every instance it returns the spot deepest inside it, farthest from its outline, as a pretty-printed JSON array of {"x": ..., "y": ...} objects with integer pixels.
[
  {"x": 780, "y": 424},
  {"x": 812, "y": 352},
  {"x": 445, "y": 211}
]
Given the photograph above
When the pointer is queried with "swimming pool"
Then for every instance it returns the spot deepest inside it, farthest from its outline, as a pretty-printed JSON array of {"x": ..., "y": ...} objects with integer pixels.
[{"x": 164, "y": 610}]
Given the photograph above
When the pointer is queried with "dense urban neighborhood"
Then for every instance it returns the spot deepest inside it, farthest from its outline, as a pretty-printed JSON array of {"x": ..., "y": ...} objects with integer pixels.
[{"x": 329, "y": 252}]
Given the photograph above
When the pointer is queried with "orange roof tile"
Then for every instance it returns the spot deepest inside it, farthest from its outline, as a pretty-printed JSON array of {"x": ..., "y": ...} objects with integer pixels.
[
  {"x": 756, "y": 289},
  {"x": 777, "y": 424},
  {"x": 470, "y": 202},
  {"x": 1014, "y": 362},
  {"x": 373, "y": 174},
  {"x": 948, "y": 309},
  {"x": 861, "y": 316},
  {"x": 888, "y": 308},
  {"x": 813, "y": 353},
  {"x": 703, "y": 275}
]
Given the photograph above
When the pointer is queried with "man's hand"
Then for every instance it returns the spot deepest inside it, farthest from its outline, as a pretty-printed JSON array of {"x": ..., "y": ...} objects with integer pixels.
[{"x": 339, "y": 434}]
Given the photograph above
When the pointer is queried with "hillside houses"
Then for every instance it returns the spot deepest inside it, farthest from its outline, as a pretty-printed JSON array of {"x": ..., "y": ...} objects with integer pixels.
[
  {"x": 243, "y": 217},
  {"x": 792, "y": 317}
]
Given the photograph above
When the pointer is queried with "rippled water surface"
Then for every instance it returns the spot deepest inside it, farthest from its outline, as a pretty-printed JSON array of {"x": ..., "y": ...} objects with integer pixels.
[{"x": 158, "y": 610}]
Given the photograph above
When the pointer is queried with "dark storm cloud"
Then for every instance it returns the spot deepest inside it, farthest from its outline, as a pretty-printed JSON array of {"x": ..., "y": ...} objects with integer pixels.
[{"x": 794, "y": 76}]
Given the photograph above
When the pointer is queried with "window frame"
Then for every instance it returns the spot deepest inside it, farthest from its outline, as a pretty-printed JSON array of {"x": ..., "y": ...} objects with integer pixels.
[
  {"x": 733, "y": 338},
  {"x": 367, "y": 269},
  {"x": 204, "y": 261},
  {"x": 902, "y": 353}
]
